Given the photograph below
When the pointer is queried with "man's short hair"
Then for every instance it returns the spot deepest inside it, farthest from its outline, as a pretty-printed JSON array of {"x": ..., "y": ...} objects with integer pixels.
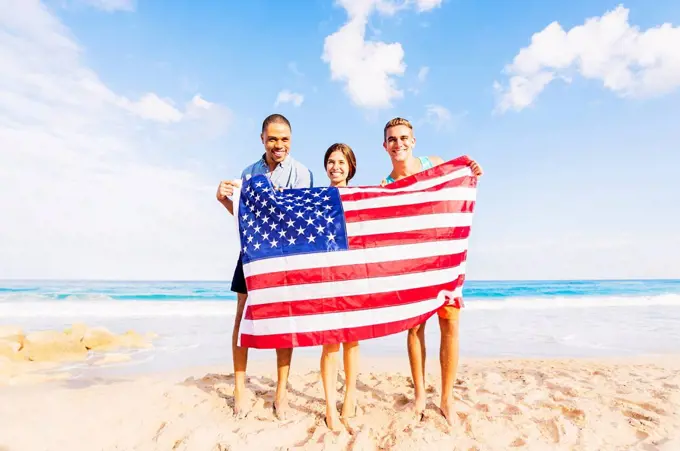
[
  {"x": 275, "y": 119},
  {"x": 394, "y": 122}
]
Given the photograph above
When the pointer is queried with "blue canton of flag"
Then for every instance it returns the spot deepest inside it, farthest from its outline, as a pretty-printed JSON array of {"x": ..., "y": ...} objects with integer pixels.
[{"x": 275, "y": 223}]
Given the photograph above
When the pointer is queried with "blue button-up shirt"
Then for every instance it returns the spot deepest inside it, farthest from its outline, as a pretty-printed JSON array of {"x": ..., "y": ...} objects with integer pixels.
[{"x": 290, "y": 173}]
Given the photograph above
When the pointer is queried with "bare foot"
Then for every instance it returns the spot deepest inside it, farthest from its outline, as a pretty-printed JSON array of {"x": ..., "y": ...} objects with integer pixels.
[
  {"x": 281, "y": 408},
  {"x": 419, "y": 406},
  {"x": 241, "y": 405},
  {"x": 448, "y": 411},
  {"x": 332, "y": 421}
]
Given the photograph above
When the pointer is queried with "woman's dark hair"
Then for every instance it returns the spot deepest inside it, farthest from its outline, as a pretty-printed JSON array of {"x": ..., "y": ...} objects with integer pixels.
[{"x": 349, "y": 156}]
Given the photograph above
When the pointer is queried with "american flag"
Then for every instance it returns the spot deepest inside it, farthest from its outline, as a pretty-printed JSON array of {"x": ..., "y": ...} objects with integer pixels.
[{"x": 329, "y": 265}]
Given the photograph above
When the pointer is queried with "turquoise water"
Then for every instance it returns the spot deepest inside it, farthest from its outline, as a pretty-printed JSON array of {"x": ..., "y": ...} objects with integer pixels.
[
  {"x": 219, "y": 291},
  {"x": 501, "y": 318}
]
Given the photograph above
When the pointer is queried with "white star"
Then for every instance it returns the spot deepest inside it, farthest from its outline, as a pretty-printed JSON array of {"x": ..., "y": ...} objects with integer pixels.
[
  {"x": 257, "y": 246},
  {"x": 274, "y": 243},
  {"x": 264, "y": 202},
  {"x": 250, "y": 223},
  {"x": 326, "y": 198},
  {"x": 282, "y": 234},
  {"x": 331, "y": 237},
  {"x": 257, "y": 229},
  {"x": 299, "y": 214},
  {"x": 300, "y": 230},
  {"x": 311, "y": 238},
  {"x": 298, "y": 198},
  {"x": 291, "y": 240},
  {"x": 329, "y": 220},
  {"x": 272, "y": 209},
  {"x": 309, "y": 207},
  {"x": 257, "y": 197},
  {"x": 290, "y": 223},
  {"x": 280, "y": 216},
  {"x": 318, "y": 213},
  {"x": 247, "y": 203},
  {"x": 310, "y": 221},
  {"x": 273, "y": 225},
  {"x": 265, "y": 236},
  {"x": 265, "y": 219},
  {"x": 317, "y": 203},
  {"x": 258, "y": 184},
  {"x": 257, "y": 213},
  {"x": 327, "y": 207},
  {"x": 316, "y": 194},
  {"x": 289, "y": 207},
  {"x": 249, "y": 189},
  {"x": 324, "y": 188},
  {"x": 266, "y": 190},
  {"x": 307, "y": 200},
  {"x": 245, "y": 249},
  {"x": 319, "y": 228},
  {"x": 250, "y": 238}
]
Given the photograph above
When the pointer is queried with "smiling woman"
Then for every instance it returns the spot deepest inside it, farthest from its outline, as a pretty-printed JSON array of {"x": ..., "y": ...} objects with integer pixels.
[{"x": 340, "y": 164}]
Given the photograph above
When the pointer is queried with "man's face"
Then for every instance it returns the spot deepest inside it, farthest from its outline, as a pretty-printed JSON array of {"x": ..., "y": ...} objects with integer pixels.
[
  {"x": 276, "y": 140},
  {"x": 399, "y": 142}
]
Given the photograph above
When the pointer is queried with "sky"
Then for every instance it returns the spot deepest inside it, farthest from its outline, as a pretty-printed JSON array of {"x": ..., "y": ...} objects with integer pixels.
[{"x": 118, "y": 119}]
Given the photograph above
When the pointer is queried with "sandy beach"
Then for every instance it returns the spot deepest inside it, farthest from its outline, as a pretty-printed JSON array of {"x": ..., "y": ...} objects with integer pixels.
[{"x": 575, "y": 404}]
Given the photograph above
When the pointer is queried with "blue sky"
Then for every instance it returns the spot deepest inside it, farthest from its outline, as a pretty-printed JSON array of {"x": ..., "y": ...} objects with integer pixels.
[{"x": 120, "y": 117}]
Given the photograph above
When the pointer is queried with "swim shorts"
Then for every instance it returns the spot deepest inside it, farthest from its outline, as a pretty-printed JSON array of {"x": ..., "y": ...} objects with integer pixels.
[{"x": 238, "y": 282}]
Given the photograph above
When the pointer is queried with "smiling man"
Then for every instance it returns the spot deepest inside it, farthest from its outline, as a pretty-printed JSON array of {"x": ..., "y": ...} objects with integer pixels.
[
  {"x": 399, "y": 142},
  {"x": 284, "y": 172}
]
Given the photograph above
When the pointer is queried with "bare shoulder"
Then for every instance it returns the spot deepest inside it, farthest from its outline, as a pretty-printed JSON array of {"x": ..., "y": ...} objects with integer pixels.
[{"x": 436, "y": 160}]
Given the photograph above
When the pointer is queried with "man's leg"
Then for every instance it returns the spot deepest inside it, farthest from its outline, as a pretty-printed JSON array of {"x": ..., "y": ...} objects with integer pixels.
[
  {"x": 283, "y": 358},
  {"x": 448, "y": 357},
  {"x": 416, "y": 358},
  {"x": 240, "y": 357}
]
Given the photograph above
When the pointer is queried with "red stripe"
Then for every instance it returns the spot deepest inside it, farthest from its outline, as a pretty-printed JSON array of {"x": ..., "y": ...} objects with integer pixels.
[
  {"x": 349, "y": 303},
  {"x": 436, "y": 171},
  {"x": 296, "y": 340},
  {"x": 342, "y": 273},
  {"x": 425, "y": 208},
  {"x": 460, "y": 182},
  {"x": 410, "y": 237}
]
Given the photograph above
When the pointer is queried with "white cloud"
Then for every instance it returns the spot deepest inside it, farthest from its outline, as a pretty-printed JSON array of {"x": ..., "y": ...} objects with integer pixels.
[
  {"x": 438, "y": 115},
  {"x": 427, "y": 5},
  {"x": 89, "y": 194},
  {"x": 112, "y": 5},
  {"x": 628, "y": 61},
  {"x": 422, "y": 73},
  {"x": 287, "y": 96},
  {"x": 292, "y": 66},
  {"x": 441, "y": 117},
  {"x": 368, "y": 67}
]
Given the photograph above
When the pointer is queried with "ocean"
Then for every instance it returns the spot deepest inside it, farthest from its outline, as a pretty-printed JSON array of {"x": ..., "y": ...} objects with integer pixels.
[{"x": 577, "y": 318}]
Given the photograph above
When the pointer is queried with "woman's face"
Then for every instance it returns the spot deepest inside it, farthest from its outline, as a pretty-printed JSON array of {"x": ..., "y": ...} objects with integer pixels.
[{"x": 337, "y": 168}]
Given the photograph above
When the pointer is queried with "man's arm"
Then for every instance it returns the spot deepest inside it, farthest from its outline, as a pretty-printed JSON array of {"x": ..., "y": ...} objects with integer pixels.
[
  {"x": 224, "y": 191},
  {"x": 474, "y": 166}
]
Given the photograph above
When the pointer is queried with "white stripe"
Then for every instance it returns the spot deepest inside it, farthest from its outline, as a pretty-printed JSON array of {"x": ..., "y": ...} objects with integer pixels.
[
  {"x": 445, "y": 194},
  {"x": 407, "y": 223},
  {"x": 286, "y": 293},
  {"x": 341, "y": 320},
  {"x": 354, "y": 256},
  {"x": 427, "y": 183}
]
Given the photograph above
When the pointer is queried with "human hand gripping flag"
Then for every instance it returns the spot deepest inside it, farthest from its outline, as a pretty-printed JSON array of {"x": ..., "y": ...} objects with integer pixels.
[{"x": 337, "y": 264}]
